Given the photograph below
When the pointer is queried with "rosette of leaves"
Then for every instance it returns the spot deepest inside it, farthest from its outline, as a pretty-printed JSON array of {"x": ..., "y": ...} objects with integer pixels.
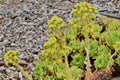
[
  {"x": 75, "y": 45},
  {"x": 112, "y": 38},
  {"x": 116, "y": 46},
  {"x": 39, "y": 70},
  {"x": 50, "y": 78},
  {"x": 93, "y": 48},
  {"x": 59, "y": 70},
  {"x": 95, "y": 31},
  {"x": 81, "y": 46},
  {"x": 103, "y": 50},
  {"x": 11, "y": 57},
  {"x": 111, "y": 24},
  {"x": 71, "y": 34},
  {"x": 76, "y": 23},
  {"x": 117, "y": 60},
  {"x": 55, "y": 23},
  {"x": 102, "y": 37},
  {"x": 49, "y": 65},
  {"x": 51, "y": 48},
  {"x": 78, "y": 60},
  {"x": 75, "y": 72},
  {"x": 52, "y": 41},
  {"x": 101, "y": 61},
  {"x": 84, "y": 10}
]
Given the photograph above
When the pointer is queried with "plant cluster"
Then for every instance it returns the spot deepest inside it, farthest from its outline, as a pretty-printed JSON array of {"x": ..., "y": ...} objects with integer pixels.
[
  {"x": 72, "y": 51},
  {"x": 11, "y": 57},
  {"x": 85, "y": 44}
]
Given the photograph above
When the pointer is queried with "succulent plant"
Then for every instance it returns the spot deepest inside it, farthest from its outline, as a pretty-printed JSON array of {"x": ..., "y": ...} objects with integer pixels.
[
  {"x": 81, "y": 45},
  {"x": 11, "y": 57}
]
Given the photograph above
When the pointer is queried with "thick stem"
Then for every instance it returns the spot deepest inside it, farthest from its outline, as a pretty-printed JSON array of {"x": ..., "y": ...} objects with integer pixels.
[
  {"x": 88, "y": 75},
  {"x": 24, "y": 72},
  {"x": 67, "y": 71},
  {"x": 88, "y": 65}
]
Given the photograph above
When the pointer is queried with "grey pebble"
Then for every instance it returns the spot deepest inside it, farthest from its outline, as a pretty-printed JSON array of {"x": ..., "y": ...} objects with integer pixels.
[
  {"x": 3, "y": 9},
  {"x": 6, "y": 42},
  {"x": 26, "y": 8},
  {"x": 1, "y": 37},
  {"x": 12, "y": 44},
  {"x": 0, "y": 52},
  {"x": 2, "y": 68},
  {"x": 8, "y": 22},
  {"x": 12, "y": 68}
]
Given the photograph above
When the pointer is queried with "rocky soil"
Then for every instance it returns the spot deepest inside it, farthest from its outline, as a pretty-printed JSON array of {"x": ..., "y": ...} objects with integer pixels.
[{"x": 23, "y": 27}]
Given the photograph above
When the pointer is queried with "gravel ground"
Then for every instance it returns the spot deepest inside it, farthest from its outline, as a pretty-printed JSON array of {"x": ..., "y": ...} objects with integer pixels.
[{"x": 23, "y": 26}]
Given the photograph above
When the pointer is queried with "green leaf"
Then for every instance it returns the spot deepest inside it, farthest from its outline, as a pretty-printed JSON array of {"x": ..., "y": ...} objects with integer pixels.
[
  {"x": 117, "y": 60},
  {"x": 71, "y": 34},
  {"x": 113, "y": 37},
  {"x": 75, "y": 72},
  {"x": 93, "y": 48},
  {"x": 50, "y": 78},
  {"x": 116, "y": 46},
  {"x": 103, "y": 50},
  {"x": 59, "y": 70},
  {"x": 101, "y": 62},
  {"x": 73, "y": 44},
  {"x": 78, "y": 60},
  {"x": 39, "y": 70},
  {"x": 81, "y": 46}
]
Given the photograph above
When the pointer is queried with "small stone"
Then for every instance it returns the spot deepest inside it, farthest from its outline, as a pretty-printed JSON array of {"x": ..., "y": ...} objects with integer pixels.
[
  {"x": 13, "y": 44},
  {"x": 3, "y": 10},
  {"x": 16, "y": 1},
  {"x": 8, "y": 22},
  {"x": 8, "y": 70},
  {"x": 6, "y": 42},
  {"x": 64, "y": 8},
  {"x": 23, "y": 36},
  {"x": 26, "y": 8},
  {"x": 1, "y": 16},
  {"x": 1, "y": 58},
  {"x": 2, "y": 21},
  {"x": 1, "y": 37},
  {"x": 12, "y": 68},
  {"x": 0, "y": 52},
  {"x": 2, "y": 68},
  {"x": 20, "y": 76}
]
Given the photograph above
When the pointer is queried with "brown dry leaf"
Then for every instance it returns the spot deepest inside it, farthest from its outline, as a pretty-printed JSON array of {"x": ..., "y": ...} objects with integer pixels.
[
  {"x": 5, "y": 37},
  {"x": 107, "y": 71},
  {"x": 64, "y": 8},
  {"x": 28, "y": 69},
  {"x": 2, "y": 21},
  {"x": 95, "y": 75},
  {"x": 16, "y": 1},
  {"x": 73, "y": 0},
  {"x": 114, "y": 79}
]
